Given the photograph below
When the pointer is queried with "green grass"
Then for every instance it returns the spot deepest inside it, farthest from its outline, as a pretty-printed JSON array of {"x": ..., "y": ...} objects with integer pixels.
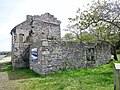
[{"x": 99, "y": 78}]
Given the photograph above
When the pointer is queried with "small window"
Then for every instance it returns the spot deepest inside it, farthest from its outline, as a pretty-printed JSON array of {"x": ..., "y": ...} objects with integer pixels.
[
  {"x": 90, "y": 54},
  {"x": 21, "y": 37}
]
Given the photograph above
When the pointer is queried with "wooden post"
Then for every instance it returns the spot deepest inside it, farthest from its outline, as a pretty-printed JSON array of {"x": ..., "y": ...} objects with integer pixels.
[{"x": 117, "y": 76}]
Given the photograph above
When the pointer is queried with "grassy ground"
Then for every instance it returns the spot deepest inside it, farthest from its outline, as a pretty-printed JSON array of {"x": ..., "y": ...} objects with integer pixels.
[{"x": 100, "y": 78}]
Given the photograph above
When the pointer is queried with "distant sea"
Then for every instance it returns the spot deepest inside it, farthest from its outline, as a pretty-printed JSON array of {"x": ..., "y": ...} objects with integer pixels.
[{"x": 2, "y": 56}]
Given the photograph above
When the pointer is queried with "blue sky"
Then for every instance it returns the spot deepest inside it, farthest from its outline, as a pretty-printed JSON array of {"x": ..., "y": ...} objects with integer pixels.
[{"x": 13, "y": 12}]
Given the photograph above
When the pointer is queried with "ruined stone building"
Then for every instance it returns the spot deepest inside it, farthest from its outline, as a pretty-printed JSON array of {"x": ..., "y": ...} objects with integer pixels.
[{"x": 36, "y": 44}]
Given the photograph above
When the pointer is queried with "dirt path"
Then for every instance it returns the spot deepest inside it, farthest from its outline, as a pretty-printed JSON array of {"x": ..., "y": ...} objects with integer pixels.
[
  {"x": 5, "y": 83},
  {"x": 3, "y": 77}
]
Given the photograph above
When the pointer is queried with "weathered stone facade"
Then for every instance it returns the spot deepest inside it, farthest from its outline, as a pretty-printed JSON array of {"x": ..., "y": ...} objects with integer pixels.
[
  {"x": 80, "y": 55},
  {"x": 20, "y": 49},
  {"x": 36, "y": 44}
]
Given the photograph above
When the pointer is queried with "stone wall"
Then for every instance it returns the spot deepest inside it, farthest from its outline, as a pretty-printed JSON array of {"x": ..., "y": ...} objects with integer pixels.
[
  {"x": 46, "y": 39},
  {"x": 80, "y": 55},
  {"x": 42, "y": 50},
  {"x": 33, "y": 30},
  {"x": 73, "y": 55},
  {"x": 49, "y": 56},
  {"x": 54, "y": 55},
  {"x": 103, "y": 53},
  {"x": 20, "y": 58},
  {"x": 20, "y": 55}
]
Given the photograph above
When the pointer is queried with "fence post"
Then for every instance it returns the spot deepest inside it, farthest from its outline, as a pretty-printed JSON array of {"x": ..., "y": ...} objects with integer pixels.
[{"x": 117, "y": 76}]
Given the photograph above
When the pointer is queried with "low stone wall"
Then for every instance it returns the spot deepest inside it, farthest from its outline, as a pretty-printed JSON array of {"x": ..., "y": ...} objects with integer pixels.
[
  {"x": 54, "y": 56},
  {"x": 80, "y": 55},
  {"x": 103, "y": 53},
  {"x": 73, "y": 55}
]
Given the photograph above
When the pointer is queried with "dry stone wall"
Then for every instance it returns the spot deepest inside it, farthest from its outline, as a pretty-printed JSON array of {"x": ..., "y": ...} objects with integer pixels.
[
  {"x": 43, "y": 51},
  {"x": 103, "y": 51},
  {"x": 49, "y": 56},
  {"x": 80, "y": 55},
  {"x": 46, "y": 39},
  {"x": 73, "y": 55},
  {"x": 20, "y": 58}
]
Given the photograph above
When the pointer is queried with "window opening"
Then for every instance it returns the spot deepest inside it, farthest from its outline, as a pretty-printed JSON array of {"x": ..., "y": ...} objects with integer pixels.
[{"x": 21, "y": 38}]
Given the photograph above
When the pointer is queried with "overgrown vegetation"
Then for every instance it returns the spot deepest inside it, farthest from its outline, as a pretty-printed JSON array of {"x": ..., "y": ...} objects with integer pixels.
[
  {"x": 7, "y": 53},
  {"x": 98, "y": 22},
  {"x": 99, "y": 78}
]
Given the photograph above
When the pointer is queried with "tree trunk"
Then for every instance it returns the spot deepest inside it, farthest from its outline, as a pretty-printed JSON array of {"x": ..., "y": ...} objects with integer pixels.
[{"x": 114, "y": 53}]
